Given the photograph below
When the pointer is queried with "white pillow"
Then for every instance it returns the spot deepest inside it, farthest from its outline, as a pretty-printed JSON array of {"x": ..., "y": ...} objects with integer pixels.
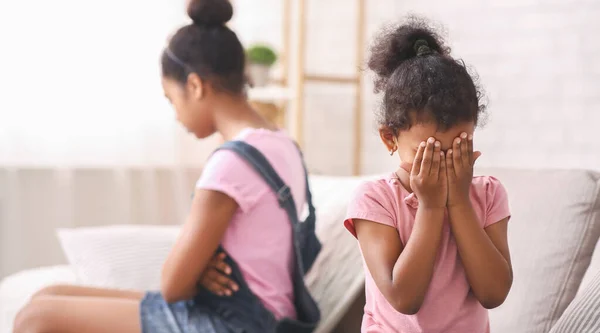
[{"x": 121, "y": 256}]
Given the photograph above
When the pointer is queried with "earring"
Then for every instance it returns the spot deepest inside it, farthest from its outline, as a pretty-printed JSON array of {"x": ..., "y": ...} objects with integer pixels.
[{"x": 392, "y": 151}]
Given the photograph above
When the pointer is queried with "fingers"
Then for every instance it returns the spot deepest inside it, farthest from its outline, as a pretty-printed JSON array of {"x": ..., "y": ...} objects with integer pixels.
[
  {"x": 450, "y": 164},
  {"x": 435, "y": 164},
  {"x": 464, "y": 150},
  {"x": 457, "y": 154},
  {"x": 443, "y": 168},
  {"x": 476, "y": 155},
  {"x": 416, "y": 167},
  {"x": 216, "y": 277},
  {"x": 224, "y": 280},
  {"x": 217, "y": 258},
  {"x": 220, "y": 265},
  {"x": 217, "y": 262},
  {"x": 470, "y": 148},
  {"x": 427, "y": 158},
  {"x": 213, "y": 286},
  {"x": 219, "y": 283}
]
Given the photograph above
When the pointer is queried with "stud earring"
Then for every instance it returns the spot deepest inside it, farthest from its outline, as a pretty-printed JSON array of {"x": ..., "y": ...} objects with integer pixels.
[{"x": 392, "y": 151}]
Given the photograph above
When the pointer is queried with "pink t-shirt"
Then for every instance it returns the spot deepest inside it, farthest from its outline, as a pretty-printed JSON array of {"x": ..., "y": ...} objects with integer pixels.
[
  {"x": 259, "y": 237},
  {"x": 449, "y": 306}
]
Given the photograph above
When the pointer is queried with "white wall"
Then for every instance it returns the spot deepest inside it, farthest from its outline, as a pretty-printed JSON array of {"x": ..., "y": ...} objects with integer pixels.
[
  {"x": 539, "y": 62},
  {"x": 80, "y": 85}
]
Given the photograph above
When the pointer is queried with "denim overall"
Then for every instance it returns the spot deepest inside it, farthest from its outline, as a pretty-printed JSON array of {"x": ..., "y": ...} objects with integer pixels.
[{"x": 243, "y": 312}]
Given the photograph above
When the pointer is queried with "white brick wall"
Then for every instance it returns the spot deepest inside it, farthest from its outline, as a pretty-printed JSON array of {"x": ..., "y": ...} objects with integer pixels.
[{"x": 539, "y": 62}]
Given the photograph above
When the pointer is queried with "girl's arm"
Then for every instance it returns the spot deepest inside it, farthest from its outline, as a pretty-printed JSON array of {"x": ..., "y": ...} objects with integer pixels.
[
  {"x": 200, "y": 236},
  {"x": 484, "y": 254},
  {"x": 402, "y": 274}
]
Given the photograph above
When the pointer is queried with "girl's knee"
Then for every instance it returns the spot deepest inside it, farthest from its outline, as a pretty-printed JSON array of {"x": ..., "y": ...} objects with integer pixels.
[
  {"x": 26, "y": 320},
  {"x": 34, "y": 317},
  {"x": 48, "y": 291}
]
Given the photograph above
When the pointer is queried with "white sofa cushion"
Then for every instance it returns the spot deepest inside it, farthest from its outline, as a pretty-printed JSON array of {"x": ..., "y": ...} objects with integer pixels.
[
  {"x": 337, "y": 276},
  {"x": 554, "y": 227},
  {"x": 121, "y": 257},
  {"x": 131, "y": 256},
  {"x": 553, "y": 231}
]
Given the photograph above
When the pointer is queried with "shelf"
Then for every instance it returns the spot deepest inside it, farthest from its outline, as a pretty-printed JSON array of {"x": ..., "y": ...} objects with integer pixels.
[
  {"x": 332, "y": 79},
  {"x": 270, "y": 94}
]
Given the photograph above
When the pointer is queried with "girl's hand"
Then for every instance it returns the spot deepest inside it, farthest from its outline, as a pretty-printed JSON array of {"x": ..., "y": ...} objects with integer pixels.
[
  {"x": 460, "y": 161},
  {"x": 216, "y": 277},
  {"x": 428, "y": 175}
]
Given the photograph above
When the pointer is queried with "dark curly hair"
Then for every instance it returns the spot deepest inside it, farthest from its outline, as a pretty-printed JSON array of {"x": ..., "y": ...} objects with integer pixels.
[
  {"x": 419, "y": 79},
  {"x": 207, "y": 47}
]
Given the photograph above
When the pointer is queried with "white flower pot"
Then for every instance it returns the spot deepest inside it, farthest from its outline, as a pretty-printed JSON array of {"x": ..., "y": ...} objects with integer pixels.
[{"x": 259, "y": 74}]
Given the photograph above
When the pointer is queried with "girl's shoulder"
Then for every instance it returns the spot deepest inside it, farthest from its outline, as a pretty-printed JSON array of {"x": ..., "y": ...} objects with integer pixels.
[
  {"x": 381, "y": 191},
  {"x": 373, "y": 200},
  {"x": 486, "y": 185},
  {"x": 490, "y": 199},
  {"x": 385, "y": 184}
]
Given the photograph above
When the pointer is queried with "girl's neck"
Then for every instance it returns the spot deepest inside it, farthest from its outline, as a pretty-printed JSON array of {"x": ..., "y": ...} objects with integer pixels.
[
  {"x": 404, "y": 178},
  {"x": 232, "y": 116}
]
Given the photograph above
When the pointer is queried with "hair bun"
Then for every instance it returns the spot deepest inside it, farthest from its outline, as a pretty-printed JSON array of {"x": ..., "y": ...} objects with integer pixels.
[
  {"x": 396, "y": 45},
  {"x": 422, "y": 48},
  {"x": 210, "y": 12}
]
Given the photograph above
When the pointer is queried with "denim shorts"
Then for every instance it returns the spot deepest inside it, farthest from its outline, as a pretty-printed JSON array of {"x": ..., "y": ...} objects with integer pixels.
[
  {"x": 157, "y": 316},
  {"x": 208, "y": 314}
]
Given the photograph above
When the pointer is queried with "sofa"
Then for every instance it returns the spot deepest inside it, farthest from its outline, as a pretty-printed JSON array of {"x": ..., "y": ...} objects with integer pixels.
[{"x": 553, "y": 237}]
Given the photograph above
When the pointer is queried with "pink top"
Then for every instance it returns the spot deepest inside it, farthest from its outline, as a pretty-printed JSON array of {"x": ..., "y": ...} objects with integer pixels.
[
  {"x": 448, "y": 305},
  {"x": 259, "y": 236}
]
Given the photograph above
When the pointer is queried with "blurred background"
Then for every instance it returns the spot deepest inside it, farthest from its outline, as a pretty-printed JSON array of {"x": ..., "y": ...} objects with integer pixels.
[
  {"x": 87, "y": 138},
  {"x": 80, "y": 81},
  {"x": 81, "y": 104}
]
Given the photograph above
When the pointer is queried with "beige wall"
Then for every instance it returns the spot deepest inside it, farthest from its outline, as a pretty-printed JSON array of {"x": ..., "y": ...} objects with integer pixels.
[
  {"x": 35, "y": 202},
  {"x": 538, "y": 61}
]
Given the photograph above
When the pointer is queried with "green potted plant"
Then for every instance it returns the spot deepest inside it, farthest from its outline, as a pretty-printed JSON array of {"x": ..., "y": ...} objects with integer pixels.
[{"x": 260, "y": 59}]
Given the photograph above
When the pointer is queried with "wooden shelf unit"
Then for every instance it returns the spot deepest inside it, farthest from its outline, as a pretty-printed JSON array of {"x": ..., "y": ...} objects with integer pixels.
[
  {"x": 357, "y": 80},
  {"x": 302, "y": 77}
]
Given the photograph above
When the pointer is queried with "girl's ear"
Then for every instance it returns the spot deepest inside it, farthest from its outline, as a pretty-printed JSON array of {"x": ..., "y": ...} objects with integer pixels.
[
  {"x": 195, "y": 86},
  {"x": 388, "y": 138}
]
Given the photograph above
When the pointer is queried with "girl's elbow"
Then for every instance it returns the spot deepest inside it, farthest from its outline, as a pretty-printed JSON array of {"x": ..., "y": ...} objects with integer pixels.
[
  {"x": 407, "y": 306},
  {"x": 404, "y": 301},
  {"x": 176, "y": 287},
  {"x": 170, "y": 291},
  {"x": 172, "y": 296},
  {"x": 408, "y": 310},
  {"x": 168, "y": 294},
  {"x": 492, "y": 301},
  {"x": 169, "y": 298},
  {"x": 494, "y": 297}
]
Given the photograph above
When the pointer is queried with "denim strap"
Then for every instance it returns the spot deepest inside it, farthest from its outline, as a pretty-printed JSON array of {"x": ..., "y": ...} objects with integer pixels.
[{"x": 307, "y": 245}]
